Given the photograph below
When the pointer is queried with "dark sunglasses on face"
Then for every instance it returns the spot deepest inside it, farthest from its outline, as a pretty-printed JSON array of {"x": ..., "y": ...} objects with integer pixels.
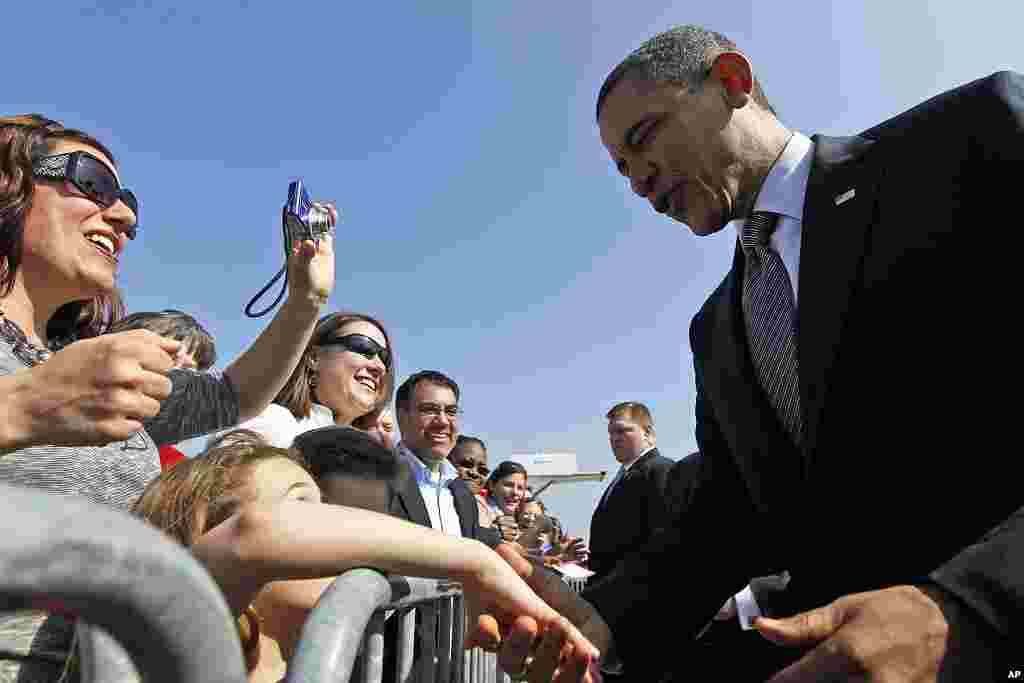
[
  {"x": 363, "y": 345},
  {"x": 479, "y": 468},
  {"x": 92, "y": 177}
]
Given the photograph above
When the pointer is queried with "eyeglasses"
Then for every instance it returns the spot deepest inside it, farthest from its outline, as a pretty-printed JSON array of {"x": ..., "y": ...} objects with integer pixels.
[
  {"x": 90, "y": 175},
  {"x": 437, "y": 410},
  {"x": 363, "y": 345}
]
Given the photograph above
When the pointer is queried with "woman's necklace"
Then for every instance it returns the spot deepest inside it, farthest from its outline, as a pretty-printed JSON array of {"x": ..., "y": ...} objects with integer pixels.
[{"x": 24, "y": 350}]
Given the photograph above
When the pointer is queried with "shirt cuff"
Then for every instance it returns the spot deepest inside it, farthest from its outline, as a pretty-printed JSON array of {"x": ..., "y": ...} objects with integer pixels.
[{"x": 746, "y": 608}]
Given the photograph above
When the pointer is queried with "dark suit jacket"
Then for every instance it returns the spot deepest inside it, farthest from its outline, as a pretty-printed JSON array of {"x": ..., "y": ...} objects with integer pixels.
[
  {"x": 907, "y": 469},
  {"x": 408, "y": 504},
  {"x": 624, "y": 521}
]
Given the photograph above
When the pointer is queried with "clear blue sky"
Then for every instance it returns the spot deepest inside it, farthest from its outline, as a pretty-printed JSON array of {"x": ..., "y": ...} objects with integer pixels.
[{"x": 483, "y": 222}]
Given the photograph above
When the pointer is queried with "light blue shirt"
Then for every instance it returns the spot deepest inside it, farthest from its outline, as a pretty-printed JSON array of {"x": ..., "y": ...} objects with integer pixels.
[
  {"x": 437, "y": 497},
  {"x": 783, "y": 192}
]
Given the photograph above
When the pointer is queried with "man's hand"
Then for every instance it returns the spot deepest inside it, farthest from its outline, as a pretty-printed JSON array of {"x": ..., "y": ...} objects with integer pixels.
[
  {"x": 517, "y": 643},
  {"x": 92, "y": 392},
  {"x": 311, "y": 265},
  {"x": 895, "y": 634}
]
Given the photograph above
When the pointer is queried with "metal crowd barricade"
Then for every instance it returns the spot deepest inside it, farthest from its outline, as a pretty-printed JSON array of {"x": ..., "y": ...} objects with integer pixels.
[
  {"x": 117, "y": 573},
  {"x": 343, "y": 638}
]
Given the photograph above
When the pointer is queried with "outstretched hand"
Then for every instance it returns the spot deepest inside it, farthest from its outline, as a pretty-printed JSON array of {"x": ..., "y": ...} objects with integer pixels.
[
  {"x": 895, "y": 634},
  {"x": 524, "y": 646},
  {"x": 508, "y": 527},
  {"x": 576, "y": 550},
  {"x": 502, "y": 610}
]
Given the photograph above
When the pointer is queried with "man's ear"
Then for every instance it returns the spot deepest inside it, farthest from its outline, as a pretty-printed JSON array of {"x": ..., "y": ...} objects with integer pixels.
[{"x": 733, "y": 71}]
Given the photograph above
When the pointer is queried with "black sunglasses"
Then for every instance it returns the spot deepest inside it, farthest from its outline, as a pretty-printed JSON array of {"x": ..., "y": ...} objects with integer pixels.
[
  {"x": 363, "y": 345},
  {"x": 480, "y": 468},
  {"x": 90, "y": 175}
]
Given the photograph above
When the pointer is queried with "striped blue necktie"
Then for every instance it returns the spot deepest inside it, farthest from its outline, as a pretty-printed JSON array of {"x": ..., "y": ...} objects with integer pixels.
[{"x": 770, "y": 316}]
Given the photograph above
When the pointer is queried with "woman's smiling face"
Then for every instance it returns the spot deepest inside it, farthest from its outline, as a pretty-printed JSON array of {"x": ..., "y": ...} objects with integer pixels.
[
  {"x": 508, "y": 492},
  {"x": 71, "y": 244},
  {"x": 348, "y": 383}
]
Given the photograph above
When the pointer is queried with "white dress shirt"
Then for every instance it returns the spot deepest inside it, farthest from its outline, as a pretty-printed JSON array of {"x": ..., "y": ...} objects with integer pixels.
[
  {"x": 783, "y": 193},
  {"x": 434, "y": 490},
  {"x": 279, "y": 427}
]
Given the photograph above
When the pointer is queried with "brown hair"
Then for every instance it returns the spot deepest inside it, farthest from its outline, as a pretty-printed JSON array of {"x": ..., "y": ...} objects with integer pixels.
[
  {"x": 23, "y": 139},
  {"x": 197, "y": 494},
  {"x": 505, "y": 469},
  {"x": 176, "y": 325},
  {"x": 246, "y": 437},
  {"x": 299, "y": 392},
  {"x": 635, "y": 411}
]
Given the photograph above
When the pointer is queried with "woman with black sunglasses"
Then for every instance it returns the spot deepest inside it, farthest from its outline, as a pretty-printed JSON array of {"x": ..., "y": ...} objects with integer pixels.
[
  {"x": 87, "y": 419},
  {"x": 345, "y": 377}
]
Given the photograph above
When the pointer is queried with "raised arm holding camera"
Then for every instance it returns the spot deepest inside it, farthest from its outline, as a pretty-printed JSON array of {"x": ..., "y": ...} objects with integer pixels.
[{"x": 87, "y": 419}]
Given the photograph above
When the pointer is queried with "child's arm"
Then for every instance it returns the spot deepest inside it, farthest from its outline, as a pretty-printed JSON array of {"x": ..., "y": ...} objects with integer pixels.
[{"x": 299, "y": 540}]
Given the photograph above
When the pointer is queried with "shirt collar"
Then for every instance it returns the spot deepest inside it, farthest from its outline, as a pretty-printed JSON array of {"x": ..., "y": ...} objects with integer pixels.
[
  {"x": 422, "y": 472},
  {"x": 785, "y": 186},
  {"x": 626, "y": 467}
]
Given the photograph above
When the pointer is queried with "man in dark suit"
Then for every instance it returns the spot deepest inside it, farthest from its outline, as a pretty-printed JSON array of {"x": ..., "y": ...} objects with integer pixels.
[
  {"x": 431, "y": 492},
  {"x": 633, "y": 505},
  {"x": 856, "y": 433},
  {"x": 428, "y": 490}
]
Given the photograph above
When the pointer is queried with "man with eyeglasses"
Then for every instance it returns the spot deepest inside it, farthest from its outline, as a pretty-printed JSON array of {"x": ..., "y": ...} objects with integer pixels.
[{"x": 427, "y": 407}]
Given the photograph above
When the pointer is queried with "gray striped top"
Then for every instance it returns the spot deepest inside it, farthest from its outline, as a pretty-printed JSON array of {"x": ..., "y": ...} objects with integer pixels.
[{"x": 115, "y": 474}]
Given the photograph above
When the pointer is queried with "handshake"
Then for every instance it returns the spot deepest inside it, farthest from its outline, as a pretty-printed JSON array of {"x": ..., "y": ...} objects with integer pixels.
[{"x": 560, "y": 650}]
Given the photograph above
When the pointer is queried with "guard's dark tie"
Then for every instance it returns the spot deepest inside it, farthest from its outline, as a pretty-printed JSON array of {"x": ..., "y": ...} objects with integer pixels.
[
  {"x": 770, "y": 316},
  {"x": 615, "y": 482}
]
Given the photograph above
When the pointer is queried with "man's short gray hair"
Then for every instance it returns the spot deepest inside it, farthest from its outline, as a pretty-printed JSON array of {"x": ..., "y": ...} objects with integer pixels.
[{"x": 681, "y": 55}]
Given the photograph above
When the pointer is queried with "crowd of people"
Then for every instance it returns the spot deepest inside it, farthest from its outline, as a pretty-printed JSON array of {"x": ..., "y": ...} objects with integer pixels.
[
  {"x": 884, "y": 576},
  {"x": 506, "y": 502},
  {"x": 92, "y": 397}
]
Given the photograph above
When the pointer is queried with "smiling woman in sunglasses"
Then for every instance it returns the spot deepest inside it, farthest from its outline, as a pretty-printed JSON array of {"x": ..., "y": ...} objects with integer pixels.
[
  {"x": 345, "y": 377},
  {"x": 87, "y": 419}
]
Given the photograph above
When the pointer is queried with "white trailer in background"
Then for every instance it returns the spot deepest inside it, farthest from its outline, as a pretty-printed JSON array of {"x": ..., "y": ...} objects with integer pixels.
[{"x": 548, "y": 468}]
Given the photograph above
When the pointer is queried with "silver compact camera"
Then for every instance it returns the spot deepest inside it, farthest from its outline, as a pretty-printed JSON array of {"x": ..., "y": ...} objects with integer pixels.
[{"x": 302, "y": 219}]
